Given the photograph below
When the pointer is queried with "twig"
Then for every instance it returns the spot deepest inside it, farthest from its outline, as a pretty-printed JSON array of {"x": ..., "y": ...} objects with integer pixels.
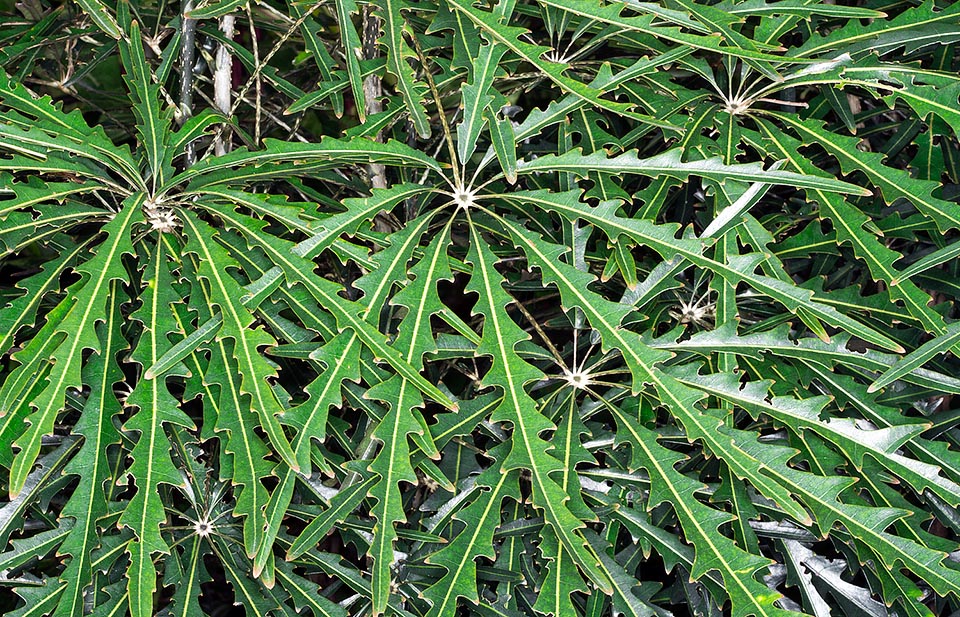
[{"x": 256, "y": 59}]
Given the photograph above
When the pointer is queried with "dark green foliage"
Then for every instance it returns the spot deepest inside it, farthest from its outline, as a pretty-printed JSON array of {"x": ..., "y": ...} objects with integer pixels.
[{"x": 529, "y": 307}]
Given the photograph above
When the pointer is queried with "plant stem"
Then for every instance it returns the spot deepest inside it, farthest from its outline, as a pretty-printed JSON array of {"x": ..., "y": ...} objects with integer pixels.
[
  {"x": 187, "y": 59},
  {"x": 373, "y": 89},
  {"x": 223, "y": 81}
]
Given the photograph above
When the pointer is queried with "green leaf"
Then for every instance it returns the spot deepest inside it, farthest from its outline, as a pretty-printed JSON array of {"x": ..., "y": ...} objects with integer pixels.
[
  {"x": 255, "y": 371},
  {"x": 71, "y": 134},
  {"x": 152, "y": 123},
  {"x": 671, "y": 164},
  {"x": 392, "y": 463},
  {"x": 186, "y": 600},
  {"x": 893, "y": 183},
  {"x": 398, "y": 54},
  {"x": 342, "y": 504},
  {"x": 89, "y": 297},
  {"x": 291, "y": 158},
  {"x": 779, "y": 343},
  {"x": 642, "y": 360},
  {"x": 919, "y": 357},
  {"x": 481, "y": 518},
  {"x": 350, "y": 41},
  {"x": 504, "y": 144},
  {"x": 299, "y": 270},
  {"x": 914, "y": 28},
  {"x": 850, "y": 224},
  {"x": 91, "y": 464},
  {"x": 934, "y": 259},
  {"x": 305, "y": 593},
  {"x": 528, "y": 449},
  {"x": 152, "y": 464},
  {"x": 213, "y": 9},
  {"x": 661, "y": 239},
  {"x": 476, "y": 93},
  {"x": 22, "y": 310},
  {"x": 509, "y": 36},
  {"x": 855, "y": 442},
  {"x": 700, "y": 523}
]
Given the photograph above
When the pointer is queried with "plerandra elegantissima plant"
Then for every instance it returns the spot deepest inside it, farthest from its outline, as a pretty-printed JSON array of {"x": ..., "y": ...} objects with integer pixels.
[{"x": 513, "y": 307}]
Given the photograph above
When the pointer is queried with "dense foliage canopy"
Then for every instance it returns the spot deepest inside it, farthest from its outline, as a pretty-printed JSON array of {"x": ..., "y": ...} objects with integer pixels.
[{"x": 507, "y": 307}]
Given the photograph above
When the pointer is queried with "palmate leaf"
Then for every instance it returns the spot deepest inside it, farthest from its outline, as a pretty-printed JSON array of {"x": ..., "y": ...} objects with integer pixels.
[
  {"x": 867, "y": 524},
  {"x": 390, "y": 266},
  {"x": 801, "y": 415},
  {"x": 926, "y": 92},
  {"x": 625, "y": 600},
  {"x": 156, "y": 408},
  {"x": 313, "y": 44},
  {"x": 27, "y": 381},
  {"x": 713, "y": 550},
  {"x": 77, "y": 330},
  {"x": 338, "y": 82},
  {"x": 509, "y": 36},
  {"x": 605, "y": 81},
  {"x": 325, "y": 231},
  {"x": 247, "y": 450},
  {"x": 74, "y": 135},
  {"x": 37, "y": 143},
  {"x": 342, "y": 357},
  {"x": 49, "y": 466},
  {"x": 341, "y": 505},
  {"x": 802, "y": 8},
  {"x": 213, "y": 9},
  {"x": 241, "y": 374},
  {"x": 612, "y": 14},
  {"x": 376, "y": 392},
  {"x": 254, "y": 597},
  {"x": 40, "y": 544},
  {"x": 192, "y": 574},
  {"x": 101, "y": 15},
  {"x": 643, "y": 361},
  {"x": 304, "y": 593},
  {"x": 670, "y": 547},
  {"x": 528, "y": 449},
  {"x": 778, "y": 343},
  {"x": 53, "y": 164},
  {"x": 850, "y": 392},
  {"x": 21, "y": 229}
]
